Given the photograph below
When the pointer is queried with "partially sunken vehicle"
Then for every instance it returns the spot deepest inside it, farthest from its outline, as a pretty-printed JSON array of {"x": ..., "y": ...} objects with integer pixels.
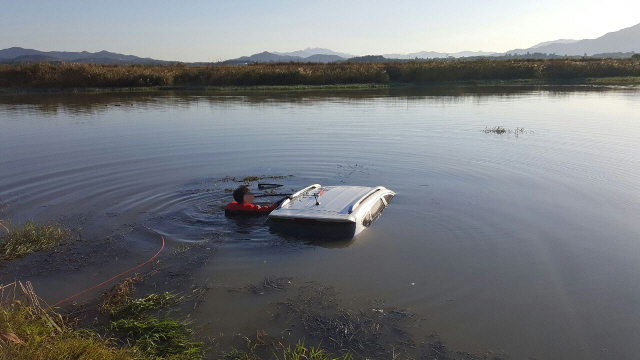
[{"x": 330, "y": 211}]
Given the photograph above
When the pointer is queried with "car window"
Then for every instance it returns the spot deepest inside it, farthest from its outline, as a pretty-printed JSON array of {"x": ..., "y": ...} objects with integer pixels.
[
  {"x": 366, "y": 221},
  {"x": 376, "y": 209}
]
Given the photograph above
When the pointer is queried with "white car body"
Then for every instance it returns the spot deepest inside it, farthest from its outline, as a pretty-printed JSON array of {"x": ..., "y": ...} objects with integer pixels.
[{"x": 343, "y": 211}]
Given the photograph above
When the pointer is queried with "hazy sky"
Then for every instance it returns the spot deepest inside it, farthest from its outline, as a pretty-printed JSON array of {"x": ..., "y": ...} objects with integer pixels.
[{"x": 217, "y": 30}]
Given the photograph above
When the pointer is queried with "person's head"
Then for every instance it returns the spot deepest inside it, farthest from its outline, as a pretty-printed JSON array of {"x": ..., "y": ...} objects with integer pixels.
[{"x": 243, "y": 195}]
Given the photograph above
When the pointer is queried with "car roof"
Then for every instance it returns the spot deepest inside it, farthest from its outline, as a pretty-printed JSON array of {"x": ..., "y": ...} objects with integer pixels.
[
  {"x": 335, "y": 203},
  {"x": 338, "y": 199}
]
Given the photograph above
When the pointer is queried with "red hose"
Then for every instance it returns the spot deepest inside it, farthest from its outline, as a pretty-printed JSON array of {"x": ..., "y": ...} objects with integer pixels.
[{"x": 116, "y": 276}]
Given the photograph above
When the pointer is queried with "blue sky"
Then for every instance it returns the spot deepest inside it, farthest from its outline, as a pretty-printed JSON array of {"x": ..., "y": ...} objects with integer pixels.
[{"x": 218, "y": 30}]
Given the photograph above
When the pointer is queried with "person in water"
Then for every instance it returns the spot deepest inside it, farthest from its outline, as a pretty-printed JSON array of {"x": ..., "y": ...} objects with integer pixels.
[{"x": 243, "y": 204}]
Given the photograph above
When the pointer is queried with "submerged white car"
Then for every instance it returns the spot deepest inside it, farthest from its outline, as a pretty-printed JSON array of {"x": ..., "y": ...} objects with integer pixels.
[{"x": 330, "y": 211}]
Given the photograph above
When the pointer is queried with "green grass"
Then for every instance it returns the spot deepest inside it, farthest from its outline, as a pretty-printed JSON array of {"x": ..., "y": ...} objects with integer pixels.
[
  {"x": 181, "y": 250},
  {"x": 154, "y": 336},
  {"x": 308, "y": 76},
  {"x": 132, "y": 308},
  {"x": 301, "y": 352},
  {"x": 29, "y": 335},
  {"x": 164, "y": 338},
  {"x": 297, "y": 352},
  {"x": 31, "y": 237}
]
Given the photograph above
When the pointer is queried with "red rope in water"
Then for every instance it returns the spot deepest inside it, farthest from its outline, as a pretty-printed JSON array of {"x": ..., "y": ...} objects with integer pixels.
[{"x": 116, "y": 276}]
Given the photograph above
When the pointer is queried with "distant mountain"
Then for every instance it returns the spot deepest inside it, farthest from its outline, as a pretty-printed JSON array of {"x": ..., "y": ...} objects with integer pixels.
[
  {"x": 625, "y": 40},
  {"x": 17, "y": 54},
  {"x": 265, "y": 57},
  {"x": 559, "y": 41},
  {"x": 436, "y": 55},
  {"x": 314, "y": 51},
  {"x": 330, "y": 56},
  {"x": 320, "y": 58},
  {"x": 33, "y": 58}
]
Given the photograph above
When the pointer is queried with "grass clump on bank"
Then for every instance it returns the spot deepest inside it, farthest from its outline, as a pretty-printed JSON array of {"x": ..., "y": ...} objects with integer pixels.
[
  {"x": 31, "y": 237},
  {"x": 26, "y": 335},
  {"x": 74, "y": 75},
  {"x": 28, "y": 332}
]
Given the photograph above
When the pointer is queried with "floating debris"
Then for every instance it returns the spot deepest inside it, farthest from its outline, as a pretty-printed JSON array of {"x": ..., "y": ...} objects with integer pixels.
[{"x": 499, "y": 130}]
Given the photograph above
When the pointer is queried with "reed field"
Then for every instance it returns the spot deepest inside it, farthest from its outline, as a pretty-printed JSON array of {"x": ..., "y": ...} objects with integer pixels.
[{"x": 76, "y": 75}]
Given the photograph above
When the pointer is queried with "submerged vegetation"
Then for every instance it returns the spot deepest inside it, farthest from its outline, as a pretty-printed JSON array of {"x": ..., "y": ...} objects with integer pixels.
[
  {"x": 160, "y": 337},
  {"x": 19, "y": 241},
  {"x": 75, "y": 75},
  {"x": 297, "y": 352},
  {"x": 156, "y": 336},
  {"x": 135, "y": 307}
]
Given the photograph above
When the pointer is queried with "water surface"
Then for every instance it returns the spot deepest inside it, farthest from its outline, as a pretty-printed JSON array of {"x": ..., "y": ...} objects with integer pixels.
[{"x": 526, "y": 245}]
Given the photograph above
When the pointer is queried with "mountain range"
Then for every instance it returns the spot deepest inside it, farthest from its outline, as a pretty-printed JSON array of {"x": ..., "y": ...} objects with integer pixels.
[
  {"x": 623, "y": 42},
  {"x": 315, "y": 51},
  {"x": 273, "y": 57},
  {"x": 18, "y": 54}
]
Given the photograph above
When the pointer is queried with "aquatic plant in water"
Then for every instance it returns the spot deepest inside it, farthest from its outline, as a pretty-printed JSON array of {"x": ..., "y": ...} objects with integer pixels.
[{"x": 20, "y": 241}]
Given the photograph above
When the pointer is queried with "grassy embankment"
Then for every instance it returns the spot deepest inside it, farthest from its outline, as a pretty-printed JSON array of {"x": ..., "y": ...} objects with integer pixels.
[
  {"x": 305, "y": 75},
  {"x": 30, "y": 334}
]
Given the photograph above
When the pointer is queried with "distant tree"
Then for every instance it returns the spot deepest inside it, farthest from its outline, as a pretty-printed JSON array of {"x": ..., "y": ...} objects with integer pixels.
[{"x": 636, "y": 56}]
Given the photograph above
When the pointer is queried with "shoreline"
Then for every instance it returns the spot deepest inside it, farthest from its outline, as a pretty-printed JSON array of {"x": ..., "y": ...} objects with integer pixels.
[{"x": 604, "y": 81}]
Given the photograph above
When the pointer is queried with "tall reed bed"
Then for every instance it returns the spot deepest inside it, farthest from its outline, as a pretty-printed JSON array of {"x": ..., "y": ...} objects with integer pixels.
[
  {"x": 486, "y": 69},
  {"x": 73, "y": 75}
]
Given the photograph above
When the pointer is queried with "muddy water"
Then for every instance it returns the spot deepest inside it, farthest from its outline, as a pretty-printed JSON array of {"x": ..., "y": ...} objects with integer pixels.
[{"x": 526, "y": 244}]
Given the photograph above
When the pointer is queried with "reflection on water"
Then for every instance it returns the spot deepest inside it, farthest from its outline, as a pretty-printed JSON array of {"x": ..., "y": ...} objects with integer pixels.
[
  {"x": 527, "y": 244},
  {"x": 83, "y": 104}
]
